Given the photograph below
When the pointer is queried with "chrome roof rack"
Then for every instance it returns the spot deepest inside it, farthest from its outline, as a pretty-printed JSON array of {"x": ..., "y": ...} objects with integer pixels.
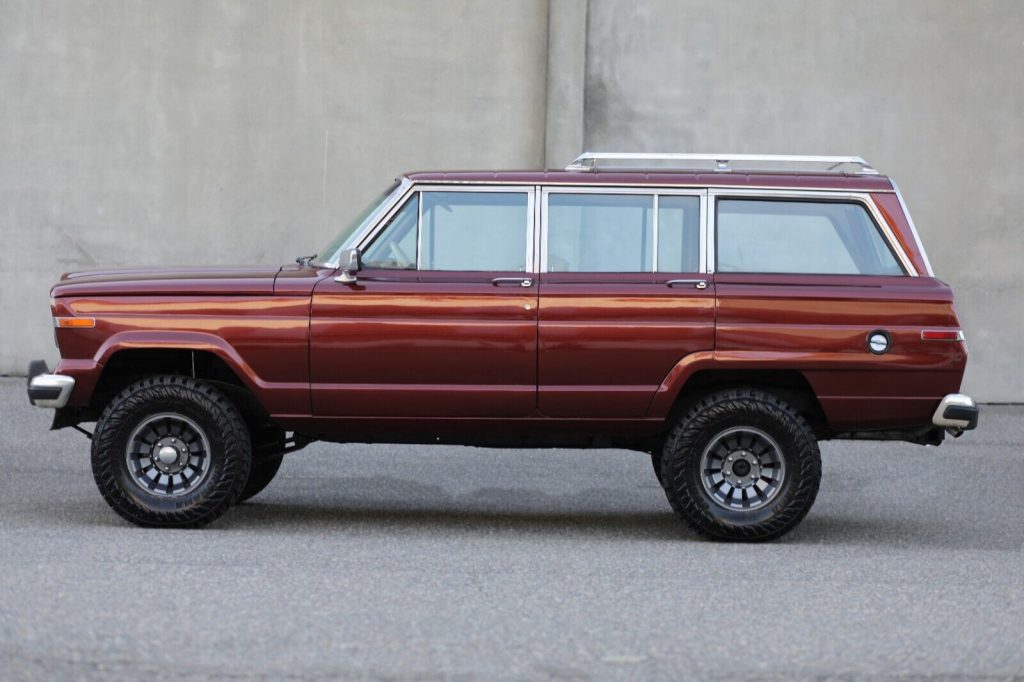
[{"x": 591, "y": 161}]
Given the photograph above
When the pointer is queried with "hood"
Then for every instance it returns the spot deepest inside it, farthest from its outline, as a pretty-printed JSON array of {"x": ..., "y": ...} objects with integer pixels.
[{"x": 215, "y": 281}]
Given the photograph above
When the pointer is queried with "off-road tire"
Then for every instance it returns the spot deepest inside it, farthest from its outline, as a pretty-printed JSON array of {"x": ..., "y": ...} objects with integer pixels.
[
  {"x": 229, "y": 458},
  {"x": 260, "y": 476},
  {"x": 710, "y": 416}
]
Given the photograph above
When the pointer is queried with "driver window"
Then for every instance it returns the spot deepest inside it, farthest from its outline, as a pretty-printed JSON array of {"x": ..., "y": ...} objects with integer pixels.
[{"x": 395, "y": 247}]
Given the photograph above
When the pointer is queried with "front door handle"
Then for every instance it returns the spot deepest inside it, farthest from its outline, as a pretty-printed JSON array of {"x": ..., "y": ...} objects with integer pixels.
[
  {"x": 512, "y": 282},
  {"x": 695, "y": 283}
]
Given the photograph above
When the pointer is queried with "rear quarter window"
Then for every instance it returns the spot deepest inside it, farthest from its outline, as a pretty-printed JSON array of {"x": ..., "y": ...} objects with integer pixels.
[{"x": 800, "y": 237}]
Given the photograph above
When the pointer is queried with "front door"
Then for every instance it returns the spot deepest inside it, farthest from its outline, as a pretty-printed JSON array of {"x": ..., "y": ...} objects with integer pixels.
[
  {"x": 623, "y": 297},
  {"x": 442, "y": 321}
]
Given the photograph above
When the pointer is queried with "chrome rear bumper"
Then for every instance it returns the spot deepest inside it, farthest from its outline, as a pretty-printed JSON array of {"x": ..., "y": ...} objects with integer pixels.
[
  {"x": 45, "y": 389},
  {"x": 956, "y": 412}
]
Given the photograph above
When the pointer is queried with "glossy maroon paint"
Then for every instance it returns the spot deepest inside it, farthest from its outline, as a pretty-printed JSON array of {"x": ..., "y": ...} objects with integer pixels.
[
  {"x": 607, "y": 341},
  {"x": 423, "y": 344},
  {"x": 450, "y": 353},
  {"x": 818, "y": 324}
]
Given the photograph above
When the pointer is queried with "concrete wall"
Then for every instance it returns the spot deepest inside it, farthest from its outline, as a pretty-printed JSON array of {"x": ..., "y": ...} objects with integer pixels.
[
  {"x": 237, "y": 131},
  {"x": 930, "y": 91},
  {"x": 243, "y": 131}
]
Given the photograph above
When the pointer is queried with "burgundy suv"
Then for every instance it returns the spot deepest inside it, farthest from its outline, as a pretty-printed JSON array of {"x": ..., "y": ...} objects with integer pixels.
[{"x": 721, "y": 313}]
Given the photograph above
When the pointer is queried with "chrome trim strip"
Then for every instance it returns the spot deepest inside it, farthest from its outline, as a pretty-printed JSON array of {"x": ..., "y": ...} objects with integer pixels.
[
  {"x": 655, "y": 227},
  {"x": 538, "y": 212},
  {"x": 385, "y": 207},
  {"x": 588, "y": 161},
  {"x": 531, "y": 226},
  {"x": 61, "y": 381},
  {"x": 913, "y": 228},
  {"x": 703, "y": 244},
  {"x": 860, "y": 197},
  {"x": 419, "y": 228},
  {"x": 953, "y": 399}
]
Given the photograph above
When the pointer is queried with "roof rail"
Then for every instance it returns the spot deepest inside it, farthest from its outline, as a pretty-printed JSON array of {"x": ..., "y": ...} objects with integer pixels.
[{"x": 591, "y": 161}]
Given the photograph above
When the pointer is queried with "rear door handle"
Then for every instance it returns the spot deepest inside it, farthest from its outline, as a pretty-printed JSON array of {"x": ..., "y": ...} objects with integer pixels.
[
  {"x": 695, "y": 283},
  {"x": 512, "y": 282}
]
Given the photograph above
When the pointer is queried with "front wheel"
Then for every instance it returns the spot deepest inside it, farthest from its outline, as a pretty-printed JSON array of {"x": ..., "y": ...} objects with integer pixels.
[
  {"x": 741, "y": 465},
  {"x": 171, "y": 451},
  {"x": 260, "y": 476}
]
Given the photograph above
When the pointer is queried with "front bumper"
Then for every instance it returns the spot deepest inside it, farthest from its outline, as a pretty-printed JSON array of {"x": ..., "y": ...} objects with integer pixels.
[
  {"x": 957, "y": 413},
  {"x": 45, "y": 389}
]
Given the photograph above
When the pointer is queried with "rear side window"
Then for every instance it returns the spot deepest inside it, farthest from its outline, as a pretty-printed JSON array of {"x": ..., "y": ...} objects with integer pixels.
[
  {"x": 600, "y": 233},
  {"x": 800, "y": 237},
  {"x": 590, "y": 232},
  {"x": 678, "y": 233}
]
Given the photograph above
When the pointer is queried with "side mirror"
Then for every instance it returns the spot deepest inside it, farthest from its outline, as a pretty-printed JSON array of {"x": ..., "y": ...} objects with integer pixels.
[{"x": 350, "y": 264}]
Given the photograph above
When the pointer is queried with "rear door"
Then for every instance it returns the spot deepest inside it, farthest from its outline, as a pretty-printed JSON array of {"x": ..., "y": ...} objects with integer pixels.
[
  {"x": 805, "y": 280},
  {"x": 624, "y": 296},
  {"x": 442, "y": 321}
]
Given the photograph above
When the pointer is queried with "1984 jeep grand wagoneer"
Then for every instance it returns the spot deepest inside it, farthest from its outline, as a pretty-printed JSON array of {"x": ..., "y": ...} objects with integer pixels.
[{"x": 721, "y": 313}]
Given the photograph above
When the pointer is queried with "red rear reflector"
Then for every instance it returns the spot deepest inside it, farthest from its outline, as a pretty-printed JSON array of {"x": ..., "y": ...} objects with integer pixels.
[
  {"x": 942, "y": 335},
  {"x": 74, "y": 322}
]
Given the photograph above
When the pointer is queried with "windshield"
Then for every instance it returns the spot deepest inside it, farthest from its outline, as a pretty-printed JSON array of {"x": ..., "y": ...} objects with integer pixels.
[{"x": 329, "y": 253}]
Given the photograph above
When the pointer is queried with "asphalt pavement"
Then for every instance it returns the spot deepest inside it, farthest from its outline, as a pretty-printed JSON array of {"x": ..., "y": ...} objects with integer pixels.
[{"x": 402, "y": 562}]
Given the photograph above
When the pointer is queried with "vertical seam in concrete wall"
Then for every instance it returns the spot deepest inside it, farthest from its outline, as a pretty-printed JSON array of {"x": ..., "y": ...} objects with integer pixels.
[
  {"x": 547, "y": 88},
  {"x": 566, "y": 76},
  {"x": 583, "y": 77}
]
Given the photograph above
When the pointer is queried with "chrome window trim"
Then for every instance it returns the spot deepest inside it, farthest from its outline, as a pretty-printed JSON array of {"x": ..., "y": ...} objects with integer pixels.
[
  {"x": 419, "y": 226},
  {"x": 373, "y": 220},
  {"x": 415, "y": 188},
  {"x": 546, "y": 190},
  {"x": 859, "y": 197},
  {"x": 913, "y": 229},
  {"x": 654, "y": 239},
  {"x": 539, "y": 212}
]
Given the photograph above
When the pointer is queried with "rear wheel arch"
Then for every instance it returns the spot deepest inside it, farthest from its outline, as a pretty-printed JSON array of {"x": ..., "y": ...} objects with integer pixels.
[{"x": 788, "y": 385}]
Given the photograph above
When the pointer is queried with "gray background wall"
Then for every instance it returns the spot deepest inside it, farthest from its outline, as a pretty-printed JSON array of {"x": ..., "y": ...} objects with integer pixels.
[{"x": 171, "y": 132}]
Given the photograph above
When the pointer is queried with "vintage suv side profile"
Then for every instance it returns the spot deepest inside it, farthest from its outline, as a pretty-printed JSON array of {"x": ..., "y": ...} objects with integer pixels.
[{"x": 721, "y": 313}]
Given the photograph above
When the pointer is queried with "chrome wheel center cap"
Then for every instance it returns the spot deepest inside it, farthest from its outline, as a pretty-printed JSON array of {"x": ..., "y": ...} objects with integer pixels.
[
  {"x": 167, "y": 455},
  {"x": 170, "y": 455}
]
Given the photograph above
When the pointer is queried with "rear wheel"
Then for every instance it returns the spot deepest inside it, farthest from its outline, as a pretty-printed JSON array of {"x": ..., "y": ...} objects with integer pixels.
[
  {"x": 741, "y": 465},
  {"x": 170, "y": 451}
]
